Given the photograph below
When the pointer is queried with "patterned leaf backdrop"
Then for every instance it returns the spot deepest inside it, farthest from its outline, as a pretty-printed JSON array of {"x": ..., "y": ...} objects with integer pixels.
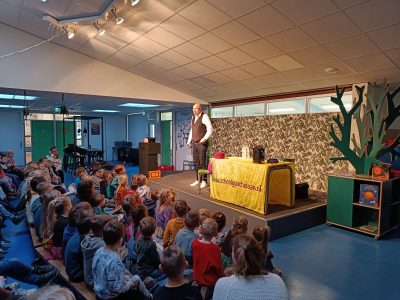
[{"x": 303, "y": 137}]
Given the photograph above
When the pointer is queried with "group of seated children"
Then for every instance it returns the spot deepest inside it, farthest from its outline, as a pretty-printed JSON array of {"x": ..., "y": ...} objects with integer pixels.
[{"x": 106, "y": 234}]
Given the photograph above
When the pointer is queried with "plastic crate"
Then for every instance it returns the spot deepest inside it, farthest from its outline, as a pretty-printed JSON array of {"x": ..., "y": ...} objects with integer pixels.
[{"x": 154, "y": 174}]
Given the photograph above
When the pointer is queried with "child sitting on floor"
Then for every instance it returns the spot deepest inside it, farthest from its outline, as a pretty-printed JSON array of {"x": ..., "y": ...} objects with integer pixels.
[
  {"x": 122, "y": 189},
  {"x": 204, "y": 213},
  {"x": 118, "y": 171},
  {"x": 239, "y": 226},
  {"x": 261, "y": 235},
  {"x": 173, "y": 264},
  {"x": 110, "y": 278},
  {"x": 164, "y": 210},
  {"x": 184, "y": 238},
  {"x": 220, "y": 218},
  {"x": 175, "y": 224},
  {"x": 148, "y": 259},
  {"x": 98, "y": 204},
  {"x": 58, "y": 220},
  {"x": 207, "y": 264},
  {"x": 73, "y": 258},
  {"x": 91, "y": 243}
]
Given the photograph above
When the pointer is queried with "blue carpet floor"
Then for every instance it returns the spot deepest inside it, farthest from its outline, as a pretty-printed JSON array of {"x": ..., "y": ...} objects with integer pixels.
[{"x": 331, "y": 263}]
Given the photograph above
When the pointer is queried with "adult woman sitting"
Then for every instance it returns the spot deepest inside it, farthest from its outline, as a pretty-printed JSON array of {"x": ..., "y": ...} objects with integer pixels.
[{"x": 247, "y": 281}]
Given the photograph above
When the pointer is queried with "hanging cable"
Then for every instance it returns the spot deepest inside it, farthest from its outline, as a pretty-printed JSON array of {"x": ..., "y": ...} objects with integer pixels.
[{"x": 59, "y": 33}]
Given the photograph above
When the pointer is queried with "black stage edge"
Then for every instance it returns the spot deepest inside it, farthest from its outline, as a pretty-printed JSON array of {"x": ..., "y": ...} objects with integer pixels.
[
  {"x": 292, "y": 223},
  {"x": 282, "y": 220}
]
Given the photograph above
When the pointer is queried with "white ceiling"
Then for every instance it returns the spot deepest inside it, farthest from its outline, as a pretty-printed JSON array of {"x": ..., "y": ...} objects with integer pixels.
[{"x": 228, "y": 49}]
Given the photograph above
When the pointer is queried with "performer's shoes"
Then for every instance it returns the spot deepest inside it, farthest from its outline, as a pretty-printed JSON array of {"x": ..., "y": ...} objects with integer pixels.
[
  {"x": 203, "y": 184},
  {"x": 194, "y": 183}
]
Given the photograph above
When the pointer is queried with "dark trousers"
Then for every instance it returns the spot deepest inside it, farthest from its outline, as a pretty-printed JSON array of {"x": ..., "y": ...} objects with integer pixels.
[
  {"x": 199, "y": 158},
  {"x": 17, "y": 270}
]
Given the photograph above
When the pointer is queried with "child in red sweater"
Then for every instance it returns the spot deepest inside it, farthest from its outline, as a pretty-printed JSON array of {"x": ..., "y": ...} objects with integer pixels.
[{"x": 207, "y": 264}]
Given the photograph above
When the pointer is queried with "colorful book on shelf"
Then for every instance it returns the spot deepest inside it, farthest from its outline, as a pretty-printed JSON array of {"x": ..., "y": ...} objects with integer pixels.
[
  {"x": 369, "y": 228},
  {"x": 369, "y": 194},
  {"x": 380, "y": 172}
]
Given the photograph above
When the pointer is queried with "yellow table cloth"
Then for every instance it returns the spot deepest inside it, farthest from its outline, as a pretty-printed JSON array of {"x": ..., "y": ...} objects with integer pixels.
[{"x": 253, "y": 186}]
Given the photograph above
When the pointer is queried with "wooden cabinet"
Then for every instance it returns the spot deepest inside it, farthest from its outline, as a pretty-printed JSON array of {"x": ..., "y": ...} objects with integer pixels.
[
  {"x": 346, "y": 210},
  {"x": 148, "y": 159}
]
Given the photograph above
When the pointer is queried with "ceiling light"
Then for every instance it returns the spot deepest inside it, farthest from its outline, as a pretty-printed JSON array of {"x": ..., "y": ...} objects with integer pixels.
[
  {"x": 17, "y": 97},
  {"x": 43, "y": 0},
  {"x": 106, "y": 111},
  {"x": 134, "y": 2},
  {"x": 11, "y": 106},
  {"x": 283, "y": 109},
  {"x": 101, "y": 30},
  {"x": 70, "y": 32},
  {"x": 138, "y": 105},
  {"x": 118, "y": 20},
  {"x": 331, "y": 70}
]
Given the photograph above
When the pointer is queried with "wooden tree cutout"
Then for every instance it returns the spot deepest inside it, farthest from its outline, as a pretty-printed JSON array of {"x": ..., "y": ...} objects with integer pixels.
[{"x": 372, "y": 126}]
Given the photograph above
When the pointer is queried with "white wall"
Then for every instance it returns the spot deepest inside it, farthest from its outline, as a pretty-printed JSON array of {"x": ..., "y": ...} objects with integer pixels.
[
  {"x": 115, "y": 130},
  {"x": 137, "y": 125},
  {"x": 51, "y": 67},
  {"x": 12, "y": 134}
]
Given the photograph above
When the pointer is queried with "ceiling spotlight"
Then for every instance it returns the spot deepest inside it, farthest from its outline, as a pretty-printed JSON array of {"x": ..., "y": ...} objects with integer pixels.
[
  {"x": 70, "y": 32},
  {"x": 118, "y": 20},
  {"x": 101, "y": 31},
  {"x": 44, "y": 0},
  {"x": 134, "y": 2}
]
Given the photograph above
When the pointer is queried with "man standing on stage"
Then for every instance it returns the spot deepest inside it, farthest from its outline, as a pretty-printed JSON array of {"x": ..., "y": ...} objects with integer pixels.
[{"x": 198, "y": 138}]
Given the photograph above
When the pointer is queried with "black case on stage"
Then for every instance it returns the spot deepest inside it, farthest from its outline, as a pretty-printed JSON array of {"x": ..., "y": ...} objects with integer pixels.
[
  {"x": 301, "y": 190},
  {"x": 258, "y": 154}
]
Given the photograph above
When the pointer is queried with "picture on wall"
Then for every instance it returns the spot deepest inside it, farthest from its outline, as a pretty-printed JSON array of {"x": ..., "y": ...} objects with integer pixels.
[{"x": 95, "y": 128}]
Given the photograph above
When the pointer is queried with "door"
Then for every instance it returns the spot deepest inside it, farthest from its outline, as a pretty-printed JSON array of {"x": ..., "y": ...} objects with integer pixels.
[
  {"x": 182, "y": 130},
  {"x": 42, "y": 133},
  {"x": 166, "y": 142},
  {"x": 68, "y": 135},
  {"x": 42, "y": 138}
]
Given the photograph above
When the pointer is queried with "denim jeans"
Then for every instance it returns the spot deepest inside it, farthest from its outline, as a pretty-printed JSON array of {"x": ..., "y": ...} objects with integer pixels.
[
  {"x": 3, "y": 195},
  {"x": 6, "y": 183},
  {"x": 4, "y": 212},
  {"x": 17, "y": 270}
]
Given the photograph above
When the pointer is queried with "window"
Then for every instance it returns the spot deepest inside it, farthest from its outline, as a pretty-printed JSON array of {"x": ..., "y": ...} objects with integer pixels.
[
  {"x": 152, "y": 130},
  {"x": 324, "y": 104},
  {"x": 222, "y": 112},
  {"x": 287, "y": 107},
  {"x": 254, "y": 109},
  {"x": 166, "y": 116}
]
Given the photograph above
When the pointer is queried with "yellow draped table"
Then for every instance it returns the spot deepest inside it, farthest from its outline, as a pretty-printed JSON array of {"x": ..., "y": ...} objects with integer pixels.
[{"x": 253, "y": 186}]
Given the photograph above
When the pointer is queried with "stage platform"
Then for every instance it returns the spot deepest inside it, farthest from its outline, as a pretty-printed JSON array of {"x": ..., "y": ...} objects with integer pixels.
[{"x": 283, "y": 220}]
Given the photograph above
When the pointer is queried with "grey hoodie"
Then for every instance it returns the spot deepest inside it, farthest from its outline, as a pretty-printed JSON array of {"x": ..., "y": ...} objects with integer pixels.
[{"x": 89, "y": 246}]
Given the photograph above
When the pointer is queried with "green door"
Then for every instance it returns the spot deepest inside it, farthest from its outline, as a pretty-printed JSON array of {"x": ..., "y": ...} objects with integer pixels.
[
  {"x": 43, "y": 137},
  {"x": 340, "y": 200},
  {"x": 69, "y": 135},
  {"x": 166, "y": 142}
]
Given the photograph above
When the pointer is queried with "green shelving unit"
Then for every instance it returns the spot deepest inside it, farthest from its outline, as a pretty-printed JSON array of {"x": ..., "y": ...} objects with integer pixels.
[{"x": 345, "y": 210}]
